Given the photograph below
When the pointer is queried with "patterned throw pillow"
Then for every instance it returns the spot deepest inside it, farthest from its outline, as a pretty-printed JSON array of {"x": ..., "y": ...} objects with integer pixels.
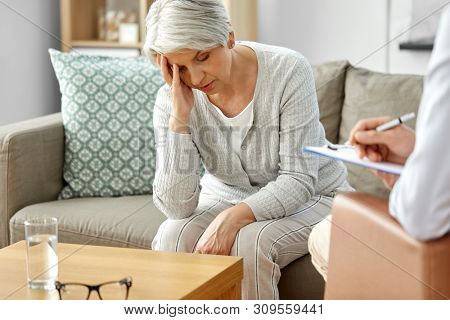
[{"x": 107, "y": 109}]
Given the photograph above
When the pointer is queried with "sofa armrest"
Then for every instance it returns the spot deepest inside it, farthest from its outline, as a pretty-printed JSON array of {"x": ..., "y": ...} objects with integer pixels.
[
  {"x": 372, "y": 257},
  {"x": 31, "y": 166}
]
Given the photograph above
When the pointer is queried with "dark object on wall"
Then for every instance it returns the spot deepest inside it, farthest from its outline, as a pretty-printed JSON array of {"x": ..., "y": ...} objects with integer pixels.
[{"x": 418, "y": 45}]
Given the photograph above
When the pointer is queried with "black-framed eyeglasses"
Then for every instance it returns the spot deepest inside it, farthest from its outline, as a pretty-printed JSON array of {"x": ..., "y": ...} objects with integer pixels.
[{"x": 111, "y": 290}]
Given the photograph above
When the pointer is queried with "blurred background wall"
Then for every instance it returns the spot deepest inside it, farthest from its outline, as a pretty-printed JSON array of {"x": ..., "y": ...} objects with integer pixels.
[
  {"x": 354, "y": 30},
  {"x": 322, "y": 30},
  {"x": 28, "y": 86}
]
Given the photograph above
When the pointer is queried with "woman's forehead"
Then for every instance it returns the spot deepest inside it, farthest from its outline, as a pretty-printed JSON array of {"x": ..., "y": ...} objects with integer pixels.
[{"x": 181, "y": 56}]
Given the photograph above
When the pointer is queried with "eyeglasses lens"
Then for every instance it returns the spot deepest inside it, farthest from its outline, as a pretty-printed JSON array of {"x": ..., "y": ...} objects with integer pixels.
[
  {"x": 113, "y": 291},
  {"x": 74, "y": 292}
]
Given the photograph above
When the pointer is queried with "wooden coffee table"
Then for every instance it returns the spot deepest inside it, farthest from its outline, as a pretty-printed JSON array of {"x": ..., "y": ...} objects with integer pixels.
[{"x": 156, "y": 275}]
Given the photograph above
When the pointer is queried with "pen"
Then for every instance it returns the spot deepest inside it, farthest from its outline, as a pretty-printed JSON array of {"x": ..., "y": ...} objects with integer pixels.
[
  {"x": 396, "y": 122},
  {"x": 337, "y": 147}
]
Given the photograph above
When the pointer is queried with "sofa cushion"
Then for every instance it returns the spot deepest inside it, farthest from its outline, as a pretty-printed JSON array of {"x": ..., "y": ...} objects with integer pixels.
[
  {"x": 300, "y": 280},
  {"x": 330, "y": 81},
  {"x": 370, "y": 94},
  {"x": 120, "y": 222},
  {"x": 107, "y": 110}
]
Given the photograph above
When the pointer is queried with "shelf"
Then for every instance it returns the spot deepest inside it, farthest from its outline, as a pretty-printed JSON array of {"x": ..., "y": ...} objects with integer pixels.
[
  {"x": 104, "y": 44},
  {"x": 80, "y": 28}
]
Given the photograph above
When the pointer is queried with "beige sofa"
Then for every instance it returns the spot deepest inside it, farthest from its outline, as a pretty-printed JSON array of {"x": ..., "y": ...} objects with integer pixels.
[{"x": 32, "y": 157}]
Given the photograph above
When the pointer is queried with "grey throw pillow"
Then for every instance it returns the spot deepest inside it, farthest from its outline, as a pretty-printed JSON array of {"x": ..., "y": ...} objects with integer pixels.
[
  {"x": 107, "y": 109},
  {"x": 371, "y": 94},
  {"x": 330, "y": 81}
]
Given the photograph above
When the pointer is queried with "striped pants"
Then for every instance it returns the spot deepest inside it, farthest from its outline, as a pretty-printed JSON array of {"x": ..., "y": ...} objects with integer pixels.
[{"x": 266, "y": 246}]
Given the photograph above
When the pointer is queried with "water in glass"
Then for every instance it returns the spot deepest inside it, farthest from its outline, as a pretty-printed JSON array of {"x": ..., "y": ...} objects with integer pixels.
[{"x": 42, "y": 261}]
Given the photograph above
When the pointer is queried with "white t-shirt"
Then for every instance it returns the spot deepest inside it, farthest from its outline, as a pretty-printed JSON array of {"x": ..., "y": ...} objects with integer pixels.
[
  {"x": 239, "y": 125},
  {"x": 420, "y": 199}
]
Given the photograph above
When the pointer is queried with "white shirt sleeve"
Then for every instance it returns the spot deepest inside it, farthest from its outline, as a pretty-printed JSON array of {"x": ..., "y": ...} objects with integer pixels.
[{"x": 420, "y": 200}]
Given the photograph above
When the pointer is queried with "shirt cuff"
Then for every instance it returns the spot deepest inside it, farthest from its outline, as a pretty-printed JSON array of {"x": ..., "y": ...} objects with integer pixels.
[{"x": 265, "y": 206}]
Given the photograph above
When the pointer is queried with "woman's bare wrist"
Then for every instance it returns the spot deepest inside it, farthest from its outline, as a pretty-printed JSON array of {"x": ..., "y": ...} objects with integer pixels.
[
  {"x": 179, "y": 124},
  {"x": 240, "y": 215}
]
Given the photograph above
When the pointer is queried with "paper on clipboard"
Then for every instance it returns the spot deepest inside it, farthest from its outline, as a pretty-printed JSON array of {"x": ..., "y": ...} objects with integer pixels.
[{"x": 350, "y": 155}]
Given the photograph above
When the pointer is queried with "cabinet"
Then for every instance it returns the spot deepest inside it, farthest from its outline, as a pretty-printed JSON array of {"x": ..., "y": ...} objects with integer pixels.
[{"x": 80, "y": 27}]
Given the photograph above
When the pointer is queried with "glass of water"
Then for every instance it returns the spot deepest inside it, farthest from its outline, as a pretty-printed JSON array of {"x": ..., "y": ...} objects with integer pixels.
[{"x": 41, "y": 236}]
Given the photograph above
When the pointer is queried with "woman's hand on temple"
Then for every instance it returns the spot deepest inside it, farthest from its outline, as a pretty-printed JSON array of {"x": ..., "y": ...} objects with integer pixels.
[{"x": 182, "y": 96}]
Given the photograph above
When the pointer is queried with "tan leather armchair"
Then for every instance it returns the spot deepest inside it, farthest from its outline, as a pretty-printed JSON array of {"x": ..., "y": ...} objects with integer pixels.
[{"x": 372, "y": 257}]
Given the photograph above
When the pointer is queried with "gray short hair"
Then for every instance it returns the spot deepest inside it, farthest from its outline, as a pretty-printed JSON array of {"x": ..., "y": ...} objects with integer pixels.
[{"x": 185, "y": 24}]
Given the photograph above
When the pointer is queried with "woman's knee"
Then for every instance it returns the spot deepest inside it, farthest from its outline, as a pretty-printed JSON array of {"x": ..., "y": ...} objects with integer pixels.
[
  {"x": 183, "y": 235},
  {"x": 250, "y": 242},
  {"x": 175, "y": 235}
]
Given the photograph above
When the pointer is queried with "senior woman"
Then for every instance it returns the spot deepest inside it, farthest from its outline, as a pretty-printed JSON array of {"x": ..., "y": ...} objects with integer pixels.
[{"x": 244, "y": 110}]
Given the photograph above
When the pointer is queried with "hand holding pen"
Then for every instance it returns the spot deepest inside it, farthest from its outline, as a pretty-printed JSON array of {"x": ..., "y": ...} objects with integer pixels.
[{"x": 383, "y": 139}]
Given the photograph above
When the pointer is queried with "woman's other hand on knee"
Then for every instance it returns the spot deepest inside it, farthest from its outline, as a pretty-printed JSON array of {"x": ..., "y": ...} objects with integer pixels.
[{"x": 219, "y": 237}]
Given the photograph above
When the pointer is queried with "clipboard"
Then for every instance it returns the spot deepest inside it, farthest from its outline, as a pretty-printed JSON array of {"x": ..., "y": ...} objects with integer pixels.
[{"x": 349, "y": 155}]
